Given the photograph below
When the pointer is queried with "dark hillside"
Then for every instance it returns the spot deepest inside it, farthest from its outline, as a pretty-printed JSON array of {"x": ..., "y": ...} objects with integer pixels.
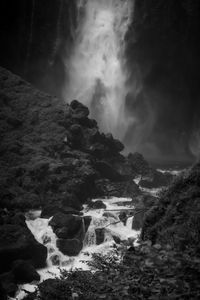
[{"x": 174, "y": 220}]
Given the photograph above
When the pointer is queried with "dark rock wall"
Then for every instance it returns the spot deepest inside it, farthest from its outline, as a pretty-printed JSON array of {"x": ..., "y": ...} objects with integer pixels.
[
  {"x": 163, "y": 55},
  {"x": 34, "y": 36},
  {"x": 174, "y": 219}
]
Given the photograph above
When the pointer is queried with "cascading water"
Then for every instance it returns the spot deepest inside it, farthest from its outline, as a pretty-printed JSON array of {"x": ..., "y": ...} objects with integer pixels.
[
  {"x": 96, "y": 67},
  {"x": 107, "y": 219}
]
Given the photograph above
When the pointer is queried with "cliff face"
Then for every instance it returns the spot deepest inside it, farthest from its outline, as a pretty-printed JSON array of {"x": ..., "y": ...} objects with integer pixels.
[
  {"x": 34, "y": 36},
  {"x": 163, "y": 47}
]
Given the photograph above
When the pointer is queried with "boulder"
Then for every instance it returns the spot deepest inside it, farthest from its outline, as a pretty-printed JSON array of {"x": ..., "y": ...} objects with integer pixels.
[
  {"x": 156, "y": 180},
  {"x": 115, "y": 146},
  {"x": 70, "y": 247},
  {"x": 116, "y": 239},
  {"x": 123, "y": 217},
  {"x": 107, "y": 188},
  {"x": 55, "y": 260},
  {"x": 68, "y": 226},
  {"x": 71, "y": 222},
  {"x": 79, "y": 110},
  {"x": 8, "y": 286},
  {"x": 98, "y": 204},
  {"x": 24, "y": 272},
  {"x": 109, "y": 214},
  {"x": 87, "y": 221},
  {"x": 65, "y": 233},
  {"x": 100, "y": 235},
  {"x": 17, "y": 242},
  {"x": 138, "y": 219}
]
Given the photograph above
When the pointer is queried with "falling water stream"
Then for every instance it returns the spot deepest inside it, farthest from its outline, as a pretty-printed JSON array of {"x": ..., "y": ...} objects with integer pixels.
[
  {"x": 107, "y": 218},
  {"x": 96, "y": 68}
]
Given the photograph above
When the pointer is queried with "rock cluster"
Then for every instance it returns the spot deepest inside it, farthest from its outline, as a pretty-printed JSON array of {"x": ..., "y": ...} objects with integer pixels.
[
  {"x": 20, "y": 253},
  {"x": 53, "y": 155}
]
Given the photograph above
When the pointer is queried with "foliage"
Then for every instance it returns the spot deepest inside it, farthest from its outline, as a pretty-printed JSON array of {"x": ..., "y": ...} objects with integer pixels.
[
  {"x": 146, "y": 272},
  {"x": 174, "y": 219}
]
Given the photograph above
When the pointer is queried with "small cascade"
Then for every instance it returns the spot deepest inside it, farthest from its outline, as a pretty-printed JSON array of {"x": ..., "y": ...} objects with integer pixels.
[
  {"x": 90, "y": 237},
  {"x": 129, "y": 222},
  {"x": 44, "y": 234},
  {"x": 106, "y": 220}
]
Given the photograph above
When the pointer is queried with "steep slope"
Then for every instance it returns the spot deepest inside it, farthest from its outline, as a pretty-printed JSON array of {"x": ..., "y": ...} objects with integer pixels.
[
  {"x": 174, "y": 220},
  {"x": 52, "y": 154}
]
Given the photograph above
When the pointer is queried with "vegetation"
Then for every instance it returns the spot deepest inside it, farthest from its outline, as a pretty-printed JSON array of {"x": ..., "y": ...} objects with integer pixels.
[
  {"x": 146, "y": 272},
  {"x": 174, "y": 219}
]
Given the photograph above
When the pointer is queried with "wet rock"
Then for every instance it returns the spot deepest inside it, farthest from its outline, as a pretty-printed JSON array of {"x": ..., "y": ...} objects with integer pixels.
[
  {"x": 8, "y": 285},
  {"x": 109, "y": 214},
  {"x": 79, "y": 110},
  {"x": 98, "y": 204},
  {"x": 71, "y": 211},
  {"x": 71, "y": 222},
  {"x": 46, "y": 239},
  {"x": 123, "y": 217},
  {"x": 116, "y": 239},
  {"x": 87, "y": 221},
  {"x": 138, "y": 220},
  {"x": 156, "y": 180},
  {"x": 100, "y": 235},
  {"x": 107, "y": 188},
  {"x": 70, "y": 226},
  {"x": 17, "y": 242},
  {"x": 65, "y": 233},
  {"x": 113, "y": 144},
  {"x": 3, "y": 292},
  {"x": 70, "y": 247},
  {"x": 24, "y": 272},
  {"x": 55, "y": 260}
]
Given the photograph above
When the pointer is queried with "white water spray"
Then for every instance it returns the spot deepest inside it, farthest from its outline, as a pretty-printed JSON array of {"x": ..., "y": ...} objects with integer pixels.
[{"x": 96, "y": 68}]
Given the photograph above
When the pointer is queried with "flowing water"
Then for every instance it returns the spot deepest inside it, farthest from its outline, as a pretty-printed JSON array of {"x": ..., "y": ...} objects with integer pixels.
[
  {"x": 96, "y": 67},
  {"x": 107, "y": 218}
]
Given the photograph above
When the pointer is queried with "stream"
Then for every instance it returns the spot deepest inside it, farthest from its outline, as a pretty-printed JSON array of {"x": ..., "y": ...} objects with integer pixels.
[{"x": 107, "y": 218}]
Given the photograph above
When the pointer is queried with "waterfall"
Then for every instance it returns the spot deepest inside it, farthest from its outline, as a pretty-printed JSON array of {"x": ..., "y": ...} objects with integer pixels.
[
  {"x": 129, "y": 222},
  {"x": 96, "y": 66}
]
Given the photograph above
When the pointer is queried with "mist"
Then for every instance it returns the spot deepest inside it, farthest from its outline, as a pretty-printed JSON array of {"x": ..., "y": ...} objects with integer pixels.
[{"x": 96, "y": 67}]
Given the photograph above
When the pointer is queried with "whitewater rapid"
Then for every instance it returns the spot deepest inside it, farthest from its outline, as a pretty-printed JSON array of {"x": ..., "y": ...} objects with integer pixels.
[
  {"x": 107, "y": 218},
  {"x": 96, "y": 68}
]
